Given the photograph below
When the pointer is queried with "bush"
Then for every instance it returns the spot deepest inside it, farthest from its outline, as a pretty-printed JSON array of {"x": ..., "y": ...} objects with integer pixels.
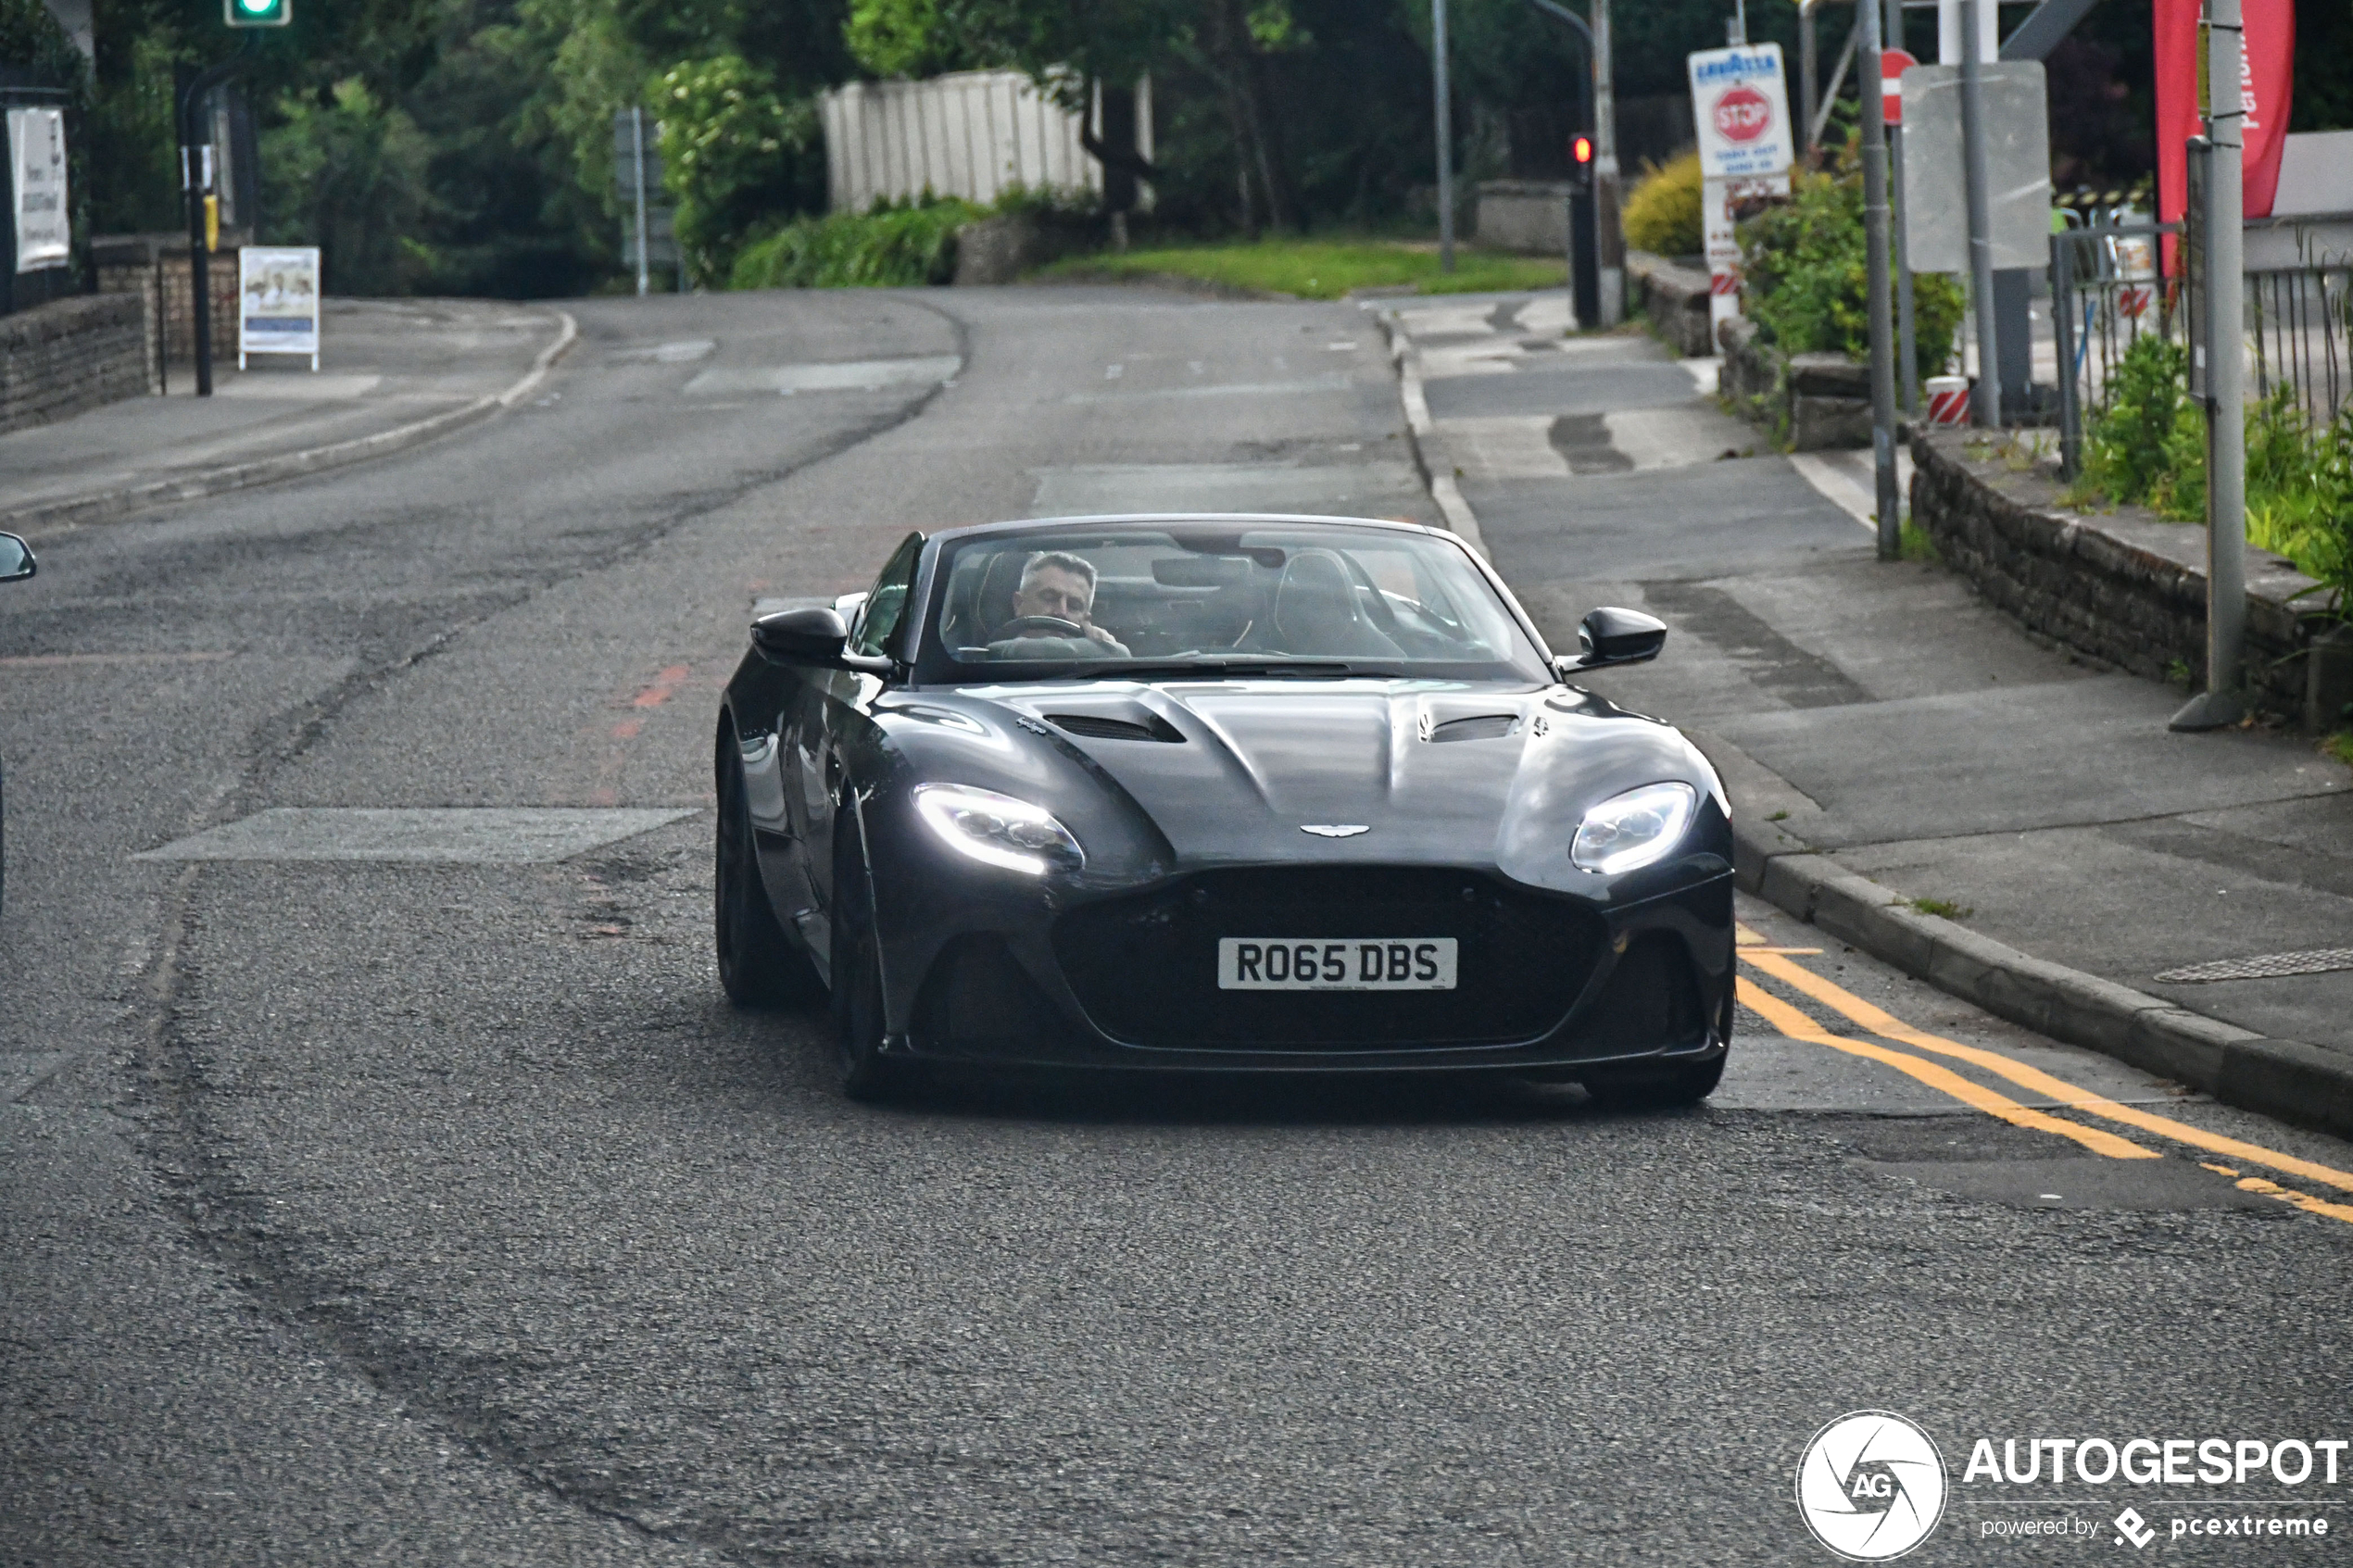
[
  {"x": 732, "y": 151},
  {"x": 2134, "y": 447},
  {"x": 348, "y": 176},
  {"x": 1808, "y": 278},
  {"x": 1662, "y": 211},
  {"x": 892, "y": 247}
]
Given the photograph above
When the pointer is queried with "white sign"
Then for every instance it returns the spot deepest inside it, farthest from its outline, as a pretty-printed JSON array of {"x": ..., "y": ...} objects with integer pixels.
[
  {"x": 1719, "y": 200},
  {"x": 2018, "y": 156},
  {"x": 1741, "y": 106},
  {"x": 278, "y": 302},
  {"x": 37, "y": 175}
]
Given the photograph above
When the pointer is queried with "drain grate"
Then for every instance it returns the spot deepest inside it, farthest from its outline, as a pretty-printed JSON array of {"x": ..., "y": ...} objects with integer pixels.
[{"x": 2264, "y": 966}]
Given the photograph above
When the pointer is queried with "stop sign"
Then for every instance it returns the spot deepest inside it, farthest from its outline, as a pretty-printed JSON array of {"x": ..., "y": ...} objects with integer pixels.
[{"x": 1743, "y": 114}]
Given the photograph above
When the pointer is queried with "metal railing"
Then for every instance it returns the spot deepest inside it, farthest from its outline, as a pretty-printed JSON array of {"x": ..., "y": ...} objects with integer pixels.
[
  {"x": 2296, "y": 324},
  {"x": 2106, "y": 292}
]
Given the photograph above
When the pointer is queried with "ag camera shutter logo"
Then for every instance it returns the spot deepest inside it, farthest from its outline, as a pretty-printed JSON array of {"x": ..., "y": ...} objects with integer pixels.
[{"x": 1870, "y": 1485}]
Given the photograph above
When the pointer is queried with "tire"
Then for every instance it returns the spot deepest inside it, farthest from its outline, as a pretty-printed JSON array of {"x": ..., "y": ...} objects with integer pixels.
[
  {"x": 759, "y": 965},
  {"x": 1657, "y": 1089},
  {"x": 859, "y": 1021}
]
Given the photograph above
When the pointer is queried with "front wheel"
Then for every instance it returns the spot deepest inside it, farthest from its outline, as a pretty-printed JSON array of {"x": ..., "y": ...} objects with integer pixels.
[{"x": 759, "y": 966}]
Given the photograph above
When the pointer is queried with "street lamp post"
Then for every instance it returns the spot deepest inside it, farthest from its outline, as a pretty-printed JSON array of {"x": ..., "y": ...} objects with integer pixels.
[{"x": 1445, "y": 136}]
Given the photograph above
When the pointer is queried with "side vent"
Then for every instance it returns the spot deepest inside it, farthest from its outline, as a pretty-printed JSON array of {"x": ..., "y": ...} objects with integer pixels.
[
  {"x": 1097, "y": 726},
  {"x": 1486, "y": 726}
]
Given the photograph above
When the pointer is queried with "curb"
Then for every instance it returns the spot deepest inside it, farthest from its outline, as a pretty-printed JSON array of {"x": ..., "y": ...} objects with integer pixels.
[
  {"x": 1420, "y": 432},
  {"x": 58, "y": 516},
  {"x": 2286, "y": 1079}
]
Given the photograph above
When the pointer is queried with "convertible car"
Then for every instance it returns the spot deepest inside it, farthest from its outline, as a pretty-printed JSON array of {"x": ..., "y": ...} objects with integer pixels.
[{"x": 1218, "y": 794}]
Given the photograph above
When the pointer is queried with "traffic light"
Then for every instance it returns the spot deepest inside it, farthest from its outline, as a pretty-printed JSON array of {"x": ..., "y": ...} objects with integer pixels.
[
  {"x": 1584, "y": 233},
  {"x": 258, "y": 13}
]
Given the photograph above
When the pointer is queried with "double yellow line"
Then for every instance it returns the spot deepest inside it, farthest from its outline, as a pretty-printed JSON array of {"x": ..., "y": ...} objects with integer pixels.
[{"x": 1797, "y": 1025}]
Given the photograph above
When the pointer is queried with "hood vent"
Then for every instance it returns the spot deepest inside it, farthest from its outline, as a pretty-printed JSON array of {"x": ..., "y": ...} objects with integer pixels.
[
  {"x": 1486, "y": 726},
  {"x": 1097, "y": 726}
]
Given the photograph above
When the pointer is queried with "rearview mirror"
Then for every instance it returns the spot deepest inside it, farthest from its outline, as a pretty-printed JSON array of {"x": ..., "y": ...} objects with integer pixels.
[
  {"x": 16, "y": 559},
  {"x": 1610, "y": 635},
  {"x": 811, "y": 635}
]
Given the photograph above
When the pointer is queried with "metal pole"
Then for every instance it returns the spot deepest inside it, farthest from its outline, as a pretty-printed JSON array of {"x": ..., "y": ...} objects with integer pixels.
[
  {"x": 196, "y": 176},
  {"x": 1445, "y": 136},
  {"x": 1875, "y": 225},
  {"x": 2063, "y": 333},
  {"x": 637, "y": 147},
  {"x": 1987, "y": 406},
  {"x": 1808, "y": 68},
  {"x": 1609, "y": 236},
  {"x": 2223, "y": 702},
  {"x": 1907, "y": 359}
]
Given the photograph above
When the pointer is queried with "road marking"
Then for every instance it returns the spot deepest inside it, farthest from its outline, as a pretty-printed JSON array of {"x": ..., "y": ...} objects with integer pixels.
[
  {"x": 1881, "y": 1022},
  {"x": 1796, "y": 1026},
  {"x": 2303, "y": 1200}
]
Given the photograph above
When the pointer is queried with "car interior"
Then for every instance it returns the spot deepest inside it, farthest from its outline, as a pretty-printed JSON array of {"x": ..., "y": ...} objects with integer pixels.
[{"x": 1318, "y": 596}]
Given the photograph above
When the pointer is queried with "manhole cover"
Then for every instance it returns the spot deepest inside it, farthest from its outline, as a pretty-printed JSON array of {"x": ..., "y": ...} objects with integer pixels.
[
  {"x": 2264, "y": 966},
  {"x": 446, "y": 836}
]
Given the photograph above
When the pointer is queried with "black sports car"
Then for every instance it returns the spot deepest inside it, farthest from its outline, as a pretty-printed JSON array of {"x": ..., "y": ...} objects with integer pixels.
[{"x": 1218, "y": 793}]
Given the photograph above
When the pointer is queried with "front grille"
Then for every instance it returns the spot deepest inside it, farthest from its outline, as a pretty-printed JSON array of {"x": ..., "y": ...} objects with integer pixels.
[{"x": 1145, "y": 968}]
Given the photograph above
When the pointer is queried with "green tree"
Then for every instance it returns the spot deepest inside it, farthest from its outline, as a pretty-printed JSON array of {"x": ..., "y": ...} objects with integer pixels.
[{"x": 348, "y": 175}]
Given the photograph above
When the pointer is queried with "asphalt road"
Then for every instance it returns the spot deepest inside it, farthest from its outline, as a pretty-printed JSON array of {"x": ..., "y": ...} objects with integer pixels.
[{"x": 441, "y": 1211}]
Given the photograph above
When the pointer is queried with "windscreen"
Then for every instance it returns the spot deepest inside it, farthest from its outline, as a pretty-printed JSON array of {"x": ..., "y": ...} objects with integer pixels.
[{"x": 1313, "y": 597}]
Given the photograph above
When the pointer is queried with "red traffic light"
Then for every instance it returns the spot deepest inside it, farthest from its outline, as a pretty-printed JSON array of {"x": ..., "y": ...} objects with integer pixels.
[{"x": 1580, "y": 149}]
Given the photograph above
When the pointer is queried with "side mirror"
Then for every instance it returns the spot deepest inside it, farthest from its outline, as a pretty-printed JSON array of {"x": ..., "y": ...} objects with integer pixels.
[
  {"x": 1610, "y": 635},
  {"x": 812, "y": 635},
  {"x": 16, "y": 559}
]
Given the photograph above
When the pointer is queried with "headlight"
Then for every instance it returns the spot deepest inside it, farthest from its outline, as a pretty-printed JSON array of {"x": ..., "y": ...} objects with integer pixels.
[
  {"x": 997, "y": 829},
  {"x": 1633, "y": 829}
]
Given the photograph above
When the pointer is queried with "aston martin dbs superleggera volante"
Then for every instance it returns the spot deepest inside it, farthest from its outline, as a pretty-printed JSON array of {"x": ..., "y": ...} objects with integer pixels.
[{"x": 1218, "y": 794}]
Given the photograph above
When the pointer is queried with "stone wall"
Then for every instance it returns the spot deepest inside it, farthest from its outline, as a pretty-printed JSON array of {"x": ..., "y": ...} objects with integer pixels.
[
  {"x": 1806, "y": 402},
  {"x": 126, "y": 264},
  {"x": 59, "y": 359},
  {"x": 2123, "y": 586},
  {"x": 1527, "y": 216},
  {"x": 999, "y": 250},
  {"x": 1674, "y": 298}
]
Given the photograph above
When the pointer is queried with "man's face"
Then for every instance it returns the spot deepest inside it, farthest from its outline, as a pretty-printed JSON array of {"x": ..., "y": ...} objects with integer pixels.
[{"x": 1057, "y": 592}]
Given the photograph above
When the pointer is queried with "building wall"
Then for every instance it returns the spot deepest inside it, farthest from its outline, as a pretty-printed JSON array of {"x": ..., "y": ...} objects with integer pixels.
[
  {"x": 968, "y": 134},
  {"x": 60, "y": 358}
]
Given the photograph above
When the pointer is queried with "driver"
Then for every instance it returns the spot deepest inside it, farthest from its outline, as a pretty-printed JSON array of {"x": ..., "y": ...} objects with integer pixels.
[{"x": 1060, "y": 586}]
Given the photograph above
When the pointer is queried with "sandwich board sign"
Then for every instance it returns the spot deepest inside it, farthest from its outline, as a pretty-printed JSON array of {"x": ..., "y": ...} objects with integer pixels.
[
  {"x": 1741, "y": 108},
  {"x": 278, "y": 301}
]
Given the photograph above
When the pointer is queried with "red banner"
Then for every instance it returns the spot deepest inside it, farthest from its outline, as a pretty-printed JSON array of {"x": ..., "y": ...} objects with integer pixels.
[{"x": 2266, "y": 81}]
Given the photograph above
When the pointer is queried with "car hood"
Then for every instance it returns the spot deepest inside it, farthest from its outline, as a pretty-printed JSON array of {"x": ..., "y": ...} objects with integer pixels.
[{"x": 1436, "y": 772}]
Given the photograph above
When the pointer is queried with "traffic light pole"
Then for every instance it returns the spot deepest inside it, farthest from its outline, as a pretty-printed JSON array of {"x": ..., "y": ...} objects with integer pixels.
[
  {"x": 1445, "y": 135},
  {"x": 196, "y": 177}
]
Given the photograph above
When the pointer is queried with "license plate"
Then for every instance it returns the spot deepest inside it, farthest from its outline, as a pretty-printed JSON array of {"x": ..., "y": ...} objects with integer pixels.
[{"x": 1366, "y": 963}]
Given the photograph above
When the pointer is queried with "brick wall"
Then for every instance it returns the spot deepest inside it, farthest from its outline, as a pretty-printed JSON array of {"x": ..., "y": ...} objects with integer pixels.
[
  {"x": 59, "y": 359},
  {"x": 127, "y": 265}
]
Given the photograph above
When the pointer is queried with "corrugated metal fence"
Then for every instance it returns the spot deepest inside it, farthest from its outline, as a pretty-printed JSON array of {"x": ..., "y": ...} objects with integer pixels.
[{"x": 969, "y": 134}]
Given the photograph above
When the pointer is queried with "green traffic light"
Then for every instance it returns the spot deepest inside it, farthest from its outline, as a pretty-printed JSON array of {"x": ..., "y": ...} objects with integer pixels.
[{"x": 258, "y": 13}]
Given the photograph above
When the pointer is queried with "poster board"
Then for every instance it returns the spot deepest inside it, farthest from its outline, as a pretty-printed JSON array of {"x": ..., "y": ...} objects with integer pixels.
[
  {"x": 37, "y": 183},
  {"x": 278, "y": 301}
]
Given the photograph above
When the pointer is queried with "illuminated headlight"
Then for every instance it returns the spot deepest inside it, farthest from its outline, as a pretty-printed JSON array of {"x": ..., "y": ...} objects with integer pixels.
[
  {"x": 1633, "y": 829},
  {"x": 997, "y": 829}
]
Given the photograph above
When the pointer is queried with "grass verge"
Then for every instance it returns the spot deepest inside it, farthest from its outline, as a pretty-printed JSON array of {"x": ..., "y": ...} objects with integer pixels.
[
  {"x": 1943, "y": 908},
  {"x": 1322, "y": 268},
  {"x": 2340, "y": 746}
]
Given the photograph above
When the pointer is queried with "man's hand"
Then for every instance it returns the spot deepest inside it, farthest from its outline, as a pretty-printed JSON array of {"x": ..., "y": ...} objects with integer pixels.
[{"x": 1096, "y": 633}]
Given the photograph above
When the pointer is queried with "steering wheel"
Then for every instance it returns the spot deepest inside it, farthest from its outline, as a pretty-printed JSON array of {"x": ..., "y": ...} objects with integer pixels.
[{"x": 1047, "y": 625}]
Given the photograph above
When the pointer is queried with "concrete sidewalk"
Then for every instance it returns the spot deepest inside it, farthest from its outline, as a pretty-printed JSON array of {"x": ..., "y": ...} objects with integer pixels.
[
  {"x": 1888, "y": 737},
  {"x": 392, "y": 373}
]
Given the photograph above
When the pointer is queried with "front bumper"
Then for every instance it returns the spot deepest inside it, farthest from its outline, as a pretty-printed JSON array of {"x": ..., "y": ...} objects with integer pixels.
[{"x": 1031, "y": 975}]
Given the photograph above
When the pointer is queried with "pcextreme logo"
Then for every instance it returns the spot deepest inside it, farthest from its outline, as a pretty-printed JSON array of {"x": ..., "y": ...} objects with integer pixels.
[{"x": 1870, "y": 1485}]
